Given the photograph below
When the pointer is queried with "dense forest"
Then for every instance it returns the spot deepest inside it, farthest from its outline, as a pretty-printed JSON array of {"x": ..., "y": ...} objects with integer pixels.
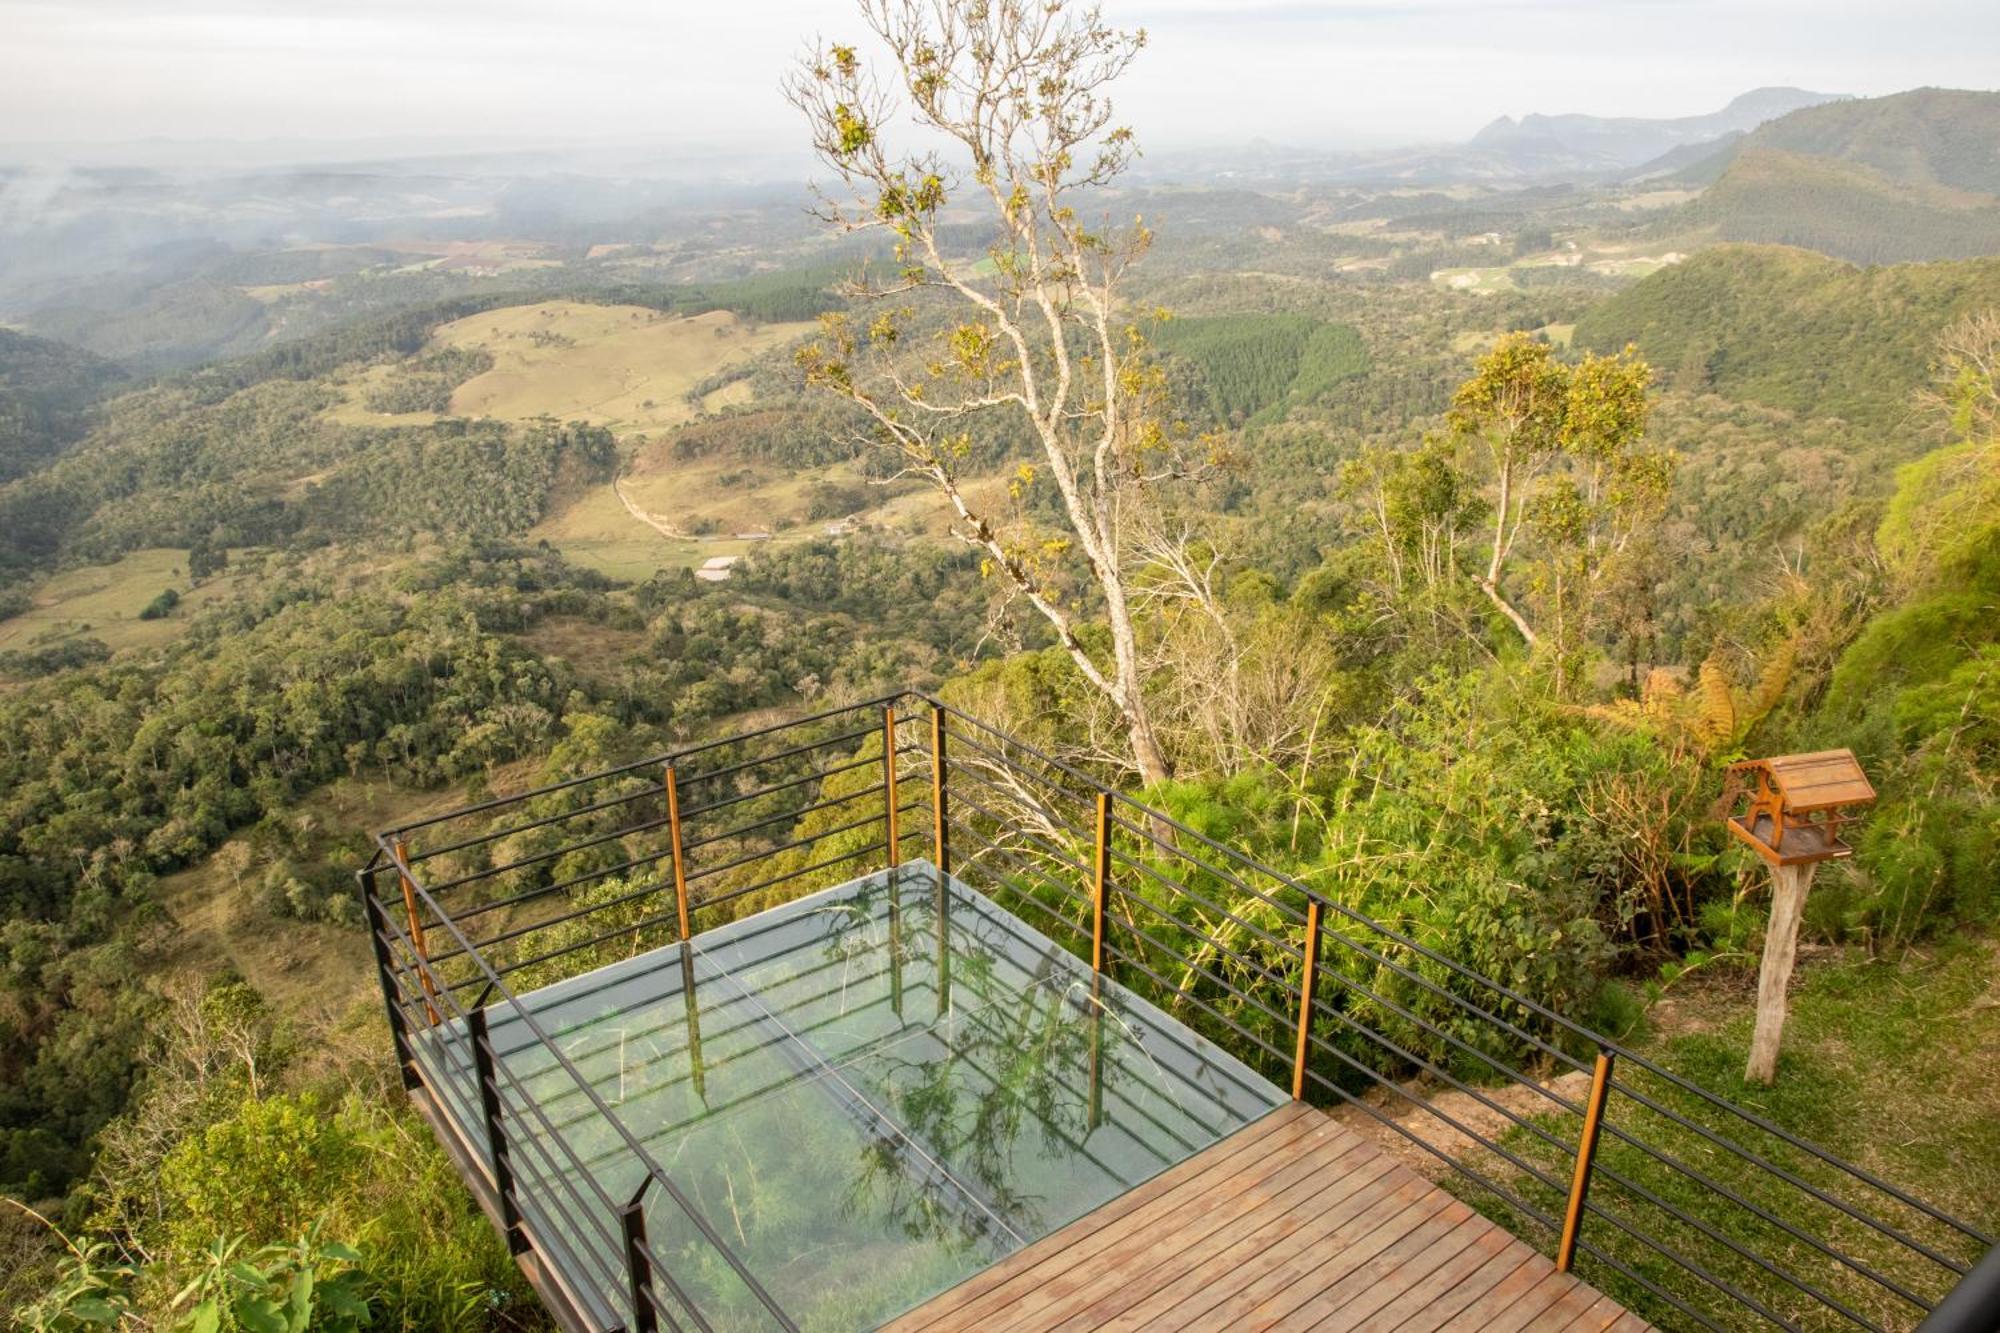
[{"x": 1476, "y": 671}]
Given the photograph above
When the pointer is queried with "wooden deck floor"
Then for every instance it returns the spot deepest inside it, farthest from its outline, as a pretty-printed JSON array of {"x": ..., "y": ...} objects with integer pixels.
[{"x": 1293, "y": 1223}]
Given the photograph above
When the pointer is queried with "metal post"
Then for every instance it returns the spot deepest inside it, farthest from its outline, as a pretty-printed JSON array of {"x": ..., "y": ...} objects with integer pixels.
[
  {"x": 1096, "y": 1106},
  {"x": 632, "y": 1219},
  {"x": 1308, "y": 988},
  {"x": 895, "y": 838},
  {"x": 378, "y": 931},
  {"x": 941, "y": 838},
  {"x": 496, "y": 1138},
  {"x": 1101, "y": 884},
  {"x": 680, "y": 861},
  {"x": 1586, "y": 1153},
  {"x": 416, "y": 930}
]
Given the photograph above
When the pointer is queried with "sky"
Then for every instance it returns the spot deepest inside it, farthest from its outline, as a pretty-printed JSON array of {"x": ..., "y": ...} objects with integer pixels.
[{"x": 703, "y": 74}]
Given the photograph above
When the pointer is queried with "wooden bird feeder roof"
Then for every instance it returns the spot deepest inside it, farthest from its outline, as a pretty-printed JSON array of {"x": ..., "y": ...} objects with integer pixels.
[{"x": 1800, "y": 804}]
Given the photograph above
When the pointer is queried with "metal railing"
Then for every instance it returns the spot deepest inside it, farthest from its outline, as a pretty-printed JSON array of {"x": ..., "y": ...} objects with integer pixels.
[{"x": 1695, "y": 1211}]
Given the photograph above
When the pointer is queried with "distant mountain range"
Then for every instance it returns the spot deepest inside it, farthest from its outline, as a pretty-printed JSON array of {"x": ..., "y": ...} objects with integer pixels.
[
  {"x": 1571, "y": 143},
  {"x": 1534, "y": 149}
]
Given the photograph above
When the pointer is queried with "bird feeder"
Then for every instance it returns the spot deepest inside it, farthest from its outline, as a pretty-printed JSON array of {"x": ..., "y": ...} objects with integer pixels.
[
  {"x": 1800, "y": 803},
  {"x": 1794, "y": 820}
]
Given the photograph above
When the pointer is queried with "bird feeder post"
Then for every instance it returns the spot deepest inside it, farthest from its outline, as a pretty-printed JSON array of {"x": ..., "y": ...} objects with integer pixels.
[{"x": 1794, "y": 822}]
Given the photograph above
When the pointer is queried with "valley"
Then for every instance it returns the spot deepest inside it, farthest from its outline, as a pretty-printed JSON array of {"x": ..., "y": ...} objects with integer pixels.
[{"x": 310, "y": 529}]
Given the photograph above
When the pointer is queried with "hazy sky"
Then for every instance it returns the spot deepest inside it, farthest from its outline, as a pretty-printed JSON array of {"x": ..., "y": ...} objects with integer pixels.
[{"x": 700, "y": 72}]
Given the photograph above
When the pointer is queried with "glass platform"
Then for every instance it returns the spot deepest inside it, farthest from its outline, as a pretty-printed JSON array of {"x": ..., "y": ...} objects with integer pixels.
[{"x": 869, "y": 1094}]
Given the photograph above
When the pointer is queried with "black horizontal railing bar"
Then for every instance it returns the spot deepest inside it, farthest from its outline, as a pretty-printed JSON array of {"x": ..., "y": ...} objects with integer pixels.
[
  {"x": 508, "y": 868},
  {"x": 816, "y": 775},
  {"x": 546, "y": 890},
  {"x": 709, "y": 775},
  {"x": 740, "y": 891},
  {"x": 1756, "y": 1210},
  {"x": 1174, "y": 886},
  {"x": 1132, "y": 960},
  {"x": 1044, "y": 810},
  {"x": 1593, "y": 1207},
  {"x": 1701, "y": 1274},
  {"x": 1435, "y": 1112},
  {"x": 1024, "y": 867},
  {"x": 766, "y": 853},
  {"x": 666, "y": 918},
  {"x": 656, "y": 1172},
  {"x": 650, "y": 761},
  {"x": 560, "y": 886},
  {"x": 960, "y": 741},
  {"x": 1653, "y": 1288},
  {"x": 563, "y": 918},
  {"x": 1789, "y": 1177},
  {"x": 1296, "y": 915},
  {"x": 1026, "y": 838},
  {"x": 1507, "y": 1196},
  {"x": 690, "y": 845},
  {"x": 494, "y": 835}
]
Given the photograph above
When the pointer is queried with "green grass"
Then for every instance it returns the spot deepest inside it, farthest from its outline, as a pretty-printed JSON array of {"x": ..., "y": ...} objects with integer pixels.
[
  {"x": 104, "y": 601},
  {"x": 1887, "y": 1065}
]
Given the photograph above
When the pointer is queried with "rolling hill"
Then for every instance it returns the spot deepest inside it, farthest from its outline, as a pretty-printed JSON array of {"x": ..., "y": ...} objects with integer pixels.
[
  {"x": 1883, "y": 180},
  {"x": 1794, "y": 330}
]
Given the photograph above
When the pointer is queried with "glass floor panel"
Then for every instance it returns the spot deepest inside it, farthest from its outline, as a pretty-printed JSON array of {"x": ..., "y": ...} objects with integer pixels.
[{"x": 869, "y": 1095}]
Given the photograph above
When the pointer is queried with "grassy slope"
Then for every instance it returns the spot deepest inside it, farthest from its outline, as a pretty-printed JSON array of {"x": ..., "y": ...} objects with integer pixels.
[{"x": 1794, "y": 330}]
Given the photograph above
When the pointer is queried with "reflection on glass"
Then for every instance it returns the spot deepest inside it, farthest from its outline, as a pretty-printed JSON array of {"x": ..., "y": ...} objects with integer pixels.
[{"x": 869, "y": 1094}]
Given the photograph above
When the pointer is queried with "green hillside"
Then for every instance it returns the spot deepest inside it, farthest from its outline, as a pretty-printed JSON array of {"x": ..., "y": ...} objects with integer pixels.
[
  {"x": 1932, "y": 136},
  {"x": 1844, "y": 209},
  {"x": 1876, "y": 181},
  {"x": 44, "y": 388},
  {"x": 1793, "y": 330}
]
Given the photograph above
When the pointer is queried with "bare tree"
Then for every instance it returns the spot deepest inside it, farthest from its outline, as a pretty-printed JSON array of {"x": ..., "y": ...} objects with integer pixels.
[{"x": 1009, "y": 100}]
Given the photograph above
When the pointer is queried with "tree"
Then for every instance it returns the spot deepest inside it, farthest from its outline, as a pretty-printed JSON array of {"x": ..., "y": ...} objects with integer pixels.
[
  {"x": 1567, "y": 468},
  {"x": 1017, "y": 93}
]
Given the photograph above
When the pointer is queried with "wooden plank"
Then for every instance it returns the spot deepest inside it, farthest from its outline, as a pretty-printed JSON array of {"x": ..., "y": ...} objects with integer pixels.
[
  {"x": 1564, "y": 1312},
  {"x": 1168, "y": 1287},
  {"x": 1239, "y": 1162},
  {"x": 1417, "y": 1281},
  {"x": 1504, "y": 1294},
  {"x": 1449, "y": 1277},
  {"x": 1552, "y": 1288},
  {"x": 1497, "y": 1269},
  {"x": 1349, "y": 1303},
  {"x": 1191, "y": 1299},
  {"x": 1407, "y": 1209},
  {"x": 1344, "y": 1237},
  {"x": 1194, "y": 1231},
  {"x": 1598, "y": 1317}
]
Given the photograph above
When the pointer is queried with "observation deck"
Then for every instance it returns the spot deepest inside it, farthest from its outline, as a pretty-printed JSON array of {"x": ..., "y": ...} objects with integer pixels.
[{"x": 884, "y": 1018}]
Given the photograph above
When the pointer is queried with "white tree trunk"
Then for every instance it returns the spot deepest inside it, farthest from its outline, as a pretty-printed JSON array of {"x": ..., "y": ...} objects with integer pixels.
[{"x": 1781, "y": 949}]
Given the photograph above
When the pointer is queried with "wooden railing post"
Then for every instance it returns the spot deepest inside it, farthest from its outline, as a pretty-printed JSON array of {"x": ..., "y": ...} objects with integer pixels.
[
  {"x": 638, "y": 1267},
  {"x": 416, "y": 930},
  {"x": 680, "y": 861},
  {"x": 1586, "y": 1154},
  {"x": 496, "y": 1136},
  {"x": 894, "y": 835},
  {"x": 1101, "y": 881},
  {"x": 1308, "y": 988},
  {"x": 941, "y": 837}
]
